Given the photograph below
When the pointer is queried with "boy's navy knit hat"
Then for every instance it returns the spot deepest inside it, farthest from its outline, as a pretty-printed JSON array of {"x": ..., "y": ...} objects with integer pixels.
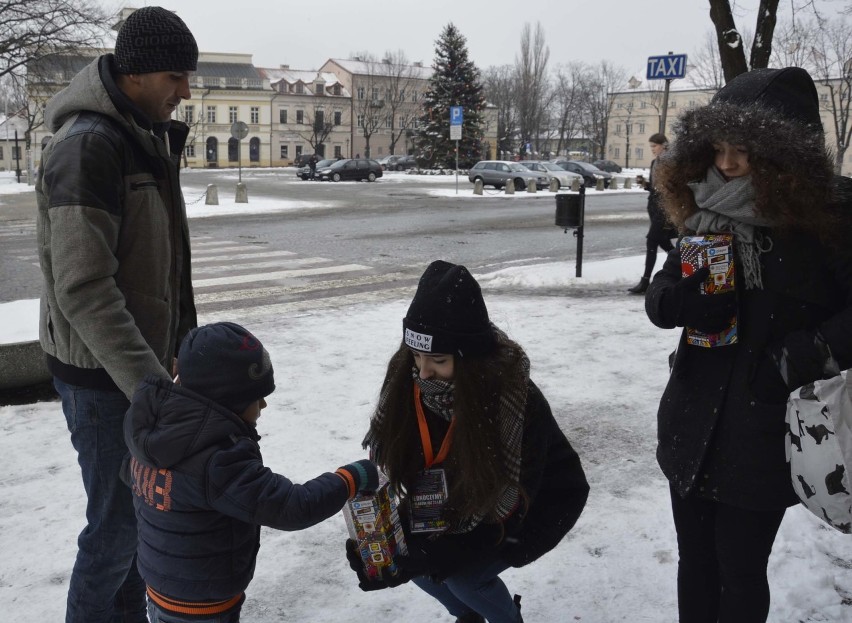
[
  {"x": 448, "y": 314},
  {"x": 227, "y": 364},
  {"x": 154, "y": 39}
]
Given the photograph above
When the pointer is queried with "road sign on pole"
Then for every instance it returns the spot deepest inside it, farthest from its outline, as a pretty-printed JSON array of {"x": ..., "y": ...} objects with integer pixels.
[
  {"x": 667, "y": 67},
  {"x": 456, "y": 115},
  {"x": 455, "y": 132}
]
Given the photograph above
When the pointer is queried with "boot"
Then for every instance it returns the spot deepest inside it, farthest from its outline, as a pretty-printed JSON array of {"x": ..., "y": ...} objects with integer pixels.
[
  {"x": 470, "y": 617},
  {"x": 640, "y": 287},
  {"x": 517, "y": 601}
]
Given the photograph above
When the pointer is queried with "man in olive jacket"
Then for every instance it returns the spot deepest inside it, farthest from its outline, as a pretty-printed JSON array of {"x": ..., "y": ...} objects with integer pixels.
[{"x": 114, "y": 252}]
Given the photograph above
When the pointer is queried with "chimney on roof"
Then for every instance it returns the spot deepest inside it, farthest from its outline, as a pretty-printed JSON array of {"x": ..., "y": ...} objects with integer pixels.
[
  {"x": 418, "y": 63},
  {"x": 356, "y": 58},
  {"x": 285, "y": 67}
]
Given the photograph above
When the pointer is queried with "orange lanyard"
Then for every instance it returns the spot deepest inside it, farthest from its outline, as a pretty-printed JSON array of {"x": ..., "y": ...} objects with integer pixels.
[{"x": 424, "y": 434}]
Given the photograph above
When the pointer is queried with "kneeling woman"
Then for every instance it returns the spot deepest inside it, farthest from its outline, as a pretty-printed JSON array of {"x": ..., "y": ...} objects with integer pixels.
[{"x": 459, "y": 413}]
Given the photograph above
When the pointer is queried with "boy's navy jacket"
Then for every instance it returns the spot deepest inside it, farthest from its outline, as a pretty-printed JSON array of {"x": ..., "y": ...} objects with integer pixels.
[{"x": 201, "y": 493}]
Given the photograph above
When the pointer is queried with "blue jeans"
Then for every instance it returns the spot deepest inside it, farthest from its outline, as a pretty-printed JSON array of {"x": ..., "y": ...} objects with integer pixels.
[
  {"x": 476, "y": 589},
  {"x": 105, "y": 585},
  {"x": 158, "y": 615}
]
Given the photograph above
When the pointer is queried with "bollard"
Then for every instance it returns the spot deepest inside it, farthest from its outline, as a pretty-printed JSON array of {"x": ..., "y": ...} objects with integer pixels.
[
  {"x": 575, "y": 184},
  {"x": 600, "y": 184},
  {"x": 242, "y": 193},
  {"x": 627, "y": 183},
  {"x": 510, "y": 187},
  {"x": 477, "y": 187},
  {"x": 613, "y": 183},
  {"x": 531, "y": 186},
  {"x": 554, "y": 185},
  {"x": 212, "y": 195}
]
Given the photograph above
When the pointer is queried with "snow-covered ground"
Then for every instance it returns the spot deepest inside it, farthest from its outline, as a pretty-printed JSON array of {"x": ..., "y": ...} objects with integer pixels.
[{"x": 602, "y": 366}]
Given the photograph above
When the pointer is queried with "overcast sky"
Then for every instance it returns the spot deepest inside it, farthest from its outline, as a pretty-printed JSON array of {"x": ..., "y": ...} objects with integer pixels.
[{"x": 305, "y": 34}]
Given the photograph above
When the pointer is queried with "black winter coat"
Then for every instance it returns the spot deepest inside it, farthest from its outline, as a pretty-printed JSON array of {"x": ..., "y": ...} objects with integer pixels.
[
  {"x": 721, "y": 418},
  {"x": 201, "y": 493},
  {"x": 660, "y": 228},
  {"x": 554, "y": 483}
]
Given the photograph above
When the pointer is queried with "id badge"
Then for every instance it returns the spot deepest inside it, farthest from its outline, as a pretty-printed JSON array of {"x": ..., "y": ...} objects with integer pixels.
[{"x": 426, "y": 502}]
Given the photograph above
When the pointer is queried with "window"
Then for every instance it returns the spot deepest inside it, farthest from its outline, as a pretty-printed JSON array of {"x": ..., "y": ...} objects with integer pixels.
[
  {"x": 338, "y": 117},
  {"x": 16, "y": 152},
  {"x": 233, "y": 149},
  {"x": 375, "y": 94},
  {"x": 643, "y": 104},
  {"x": 388, "y": 121},
  {"x": 282, "y": 115},
  {"x": 336, "y": 89},
  {"x": 402, "y": 95},
  {"x": 319, "y": 119},
  {"x": 379, "y": 151},
  {"x": 617, "y": 152},
  {"x": 618, "y": 128},
  {"x": 300, "y": 116},
  {"x": 300, "y": 87},
  {"x": 640, "y": 153},
  {"x": 298, "y": 150},
  {"x": 641, "y": 127},
  {"x": 189, "y": 114},
  {"x": 285, "y": 151},
  {"x": 1, "y": 152},
  {"x": 190, "y": 151},
  {"x": 211, "y": 114},
  {"x": 619, "y": 106},
  {"x": 232, "y": 114},
  {"x": 255, "y": 114},
  {"x": 361, "y": 93},
  {"x": 672, "y": 104},
  {"x": 338, "y": 153},
  {"x": 414, "y": 96},
  {"x": 402, "y": 122},
  {"x": 360, "y": 121}
]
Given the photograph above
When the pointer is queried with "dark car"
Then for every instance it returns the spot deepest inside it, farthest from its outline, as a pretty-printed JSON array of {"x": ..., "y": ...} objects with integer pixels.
[
  {"x": 305, "y": 171},
  {"x": 351, "y": 169},
  {"x": 591, "y": 174},
  {"x": 607, "y": 165},
  {"x": 302, "y": 160}
]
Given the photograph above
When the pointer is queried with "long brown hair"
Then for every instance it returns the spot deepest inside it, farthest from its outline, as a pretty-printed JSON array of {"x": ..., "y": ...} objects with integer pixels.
[{"x": 475, "y": 462}]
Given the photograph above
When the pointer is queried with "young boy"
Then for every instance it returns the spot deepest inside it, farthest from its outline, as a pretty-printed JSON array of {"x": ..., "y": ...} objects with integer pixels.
[{"x": 201, "y": 491}]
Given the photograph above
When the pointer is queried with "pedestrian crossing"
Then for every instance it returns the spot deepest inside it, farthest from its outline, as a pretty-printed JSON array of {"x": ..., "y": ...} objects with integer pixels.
[
  {"x": 244, "y": 280},
  {"x": 233, "y": 279}
]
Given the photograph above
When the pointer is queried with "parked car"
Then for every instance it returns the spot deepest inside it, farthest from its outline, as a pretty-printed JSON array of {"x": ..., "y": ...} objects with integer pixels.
[
  {"x": 351, "y": 169},
  {"x": 607, "y": 165},
  {"x": 305, "y": 171},
  {"x": 396, "y": 162},
  {"x": 498, "y": 173},
  {"x": 552, "y": 171},
  {"x": 302, "y": 159},
  {"x": 591, "y": 174}
]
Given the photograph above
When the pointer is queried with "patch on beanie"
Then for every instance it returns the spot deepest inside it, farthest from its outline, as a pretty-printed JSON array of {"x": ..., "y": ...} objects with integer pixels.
[{"x": 418, "y": 341}]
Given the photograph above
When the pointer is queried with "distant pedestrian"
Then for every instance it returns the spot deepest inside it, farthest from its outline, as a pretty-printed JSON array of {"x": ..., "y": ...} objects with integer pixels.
[
  {"x": 312, "y": 164},
  {"x": 114, "y": 251},
  {"x": 660, "y": 232}
]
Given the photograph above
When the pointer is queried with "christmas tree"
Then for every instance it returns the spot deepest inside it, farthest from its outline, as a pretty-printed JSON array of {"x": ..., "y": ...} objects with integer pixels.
[{"x": 455, "y": 82}]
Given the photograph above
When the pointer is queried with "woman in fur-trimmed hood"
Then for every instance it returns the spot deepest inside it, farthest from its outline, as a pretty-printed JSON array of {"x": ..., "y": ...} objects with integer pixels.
[{"x": 752, "y": 163}]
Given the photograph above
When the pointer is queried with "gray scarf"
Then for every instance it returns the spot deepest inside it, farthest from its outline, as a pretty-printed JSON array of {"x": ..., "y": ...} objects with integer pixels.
[{"x": 727, "y": 206}]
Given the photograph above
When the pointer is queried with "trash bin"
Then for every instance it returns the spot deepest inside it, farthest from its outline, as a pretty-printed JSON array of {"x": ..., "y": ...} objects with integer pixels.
[{"x": 569, "y": 211}]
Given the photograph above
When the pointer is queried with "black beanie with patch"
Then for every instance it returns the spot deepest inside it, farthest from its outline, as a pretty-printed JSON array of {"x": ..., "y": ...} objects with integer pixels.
[
  {"x": 225, "y": 363},
  {"x": 154, "y": 39},
  {"x": 448, "y": 314}
]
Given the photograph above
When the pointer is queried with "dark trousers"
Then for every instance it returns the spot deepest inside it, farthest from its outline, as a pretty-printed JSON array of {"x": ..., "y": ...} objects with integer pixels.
[
  {"x": 654, "y": 240},
  {"x": 724, "y": 552}
]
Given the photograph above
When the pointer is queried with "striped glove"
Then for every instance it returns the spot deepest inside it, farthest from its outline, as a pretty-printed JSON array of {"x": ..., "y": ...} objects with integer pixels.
[{"x": 359, "y": 476}]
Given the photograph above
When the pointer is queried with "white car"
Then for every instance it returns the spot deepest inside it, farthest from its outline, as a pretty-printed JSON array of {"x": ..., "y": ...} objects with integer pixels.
[{"x": 553, "y": 171}]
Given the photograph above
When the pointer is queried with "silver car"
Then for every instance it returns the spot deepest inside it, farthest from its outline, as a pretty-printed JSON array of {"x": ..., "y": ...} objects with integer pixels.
[
  {"x": 552, "y": 171},
  {"x": 498, "y": 173}
]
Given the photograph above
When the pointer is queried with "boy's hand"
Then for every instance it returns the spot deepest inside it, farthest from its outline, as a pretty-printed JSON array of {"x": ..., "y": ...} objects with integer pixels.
[
  {"x": 360, "y": 476},
  {"x": 369, "y": 584}
]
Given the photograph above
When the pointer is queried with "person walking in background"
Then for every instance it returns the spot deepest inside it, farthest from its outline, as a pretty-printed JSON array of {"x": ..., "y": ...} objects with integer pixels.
[
  {"x": 458, "y": 413},
  {"x": 752, "y": 163},
  {"x": 113, "y": 246},
  {"x": 660, "y": 232},
  {"x": 200, "y": 487},
  {"x": 312, "y": 164}
]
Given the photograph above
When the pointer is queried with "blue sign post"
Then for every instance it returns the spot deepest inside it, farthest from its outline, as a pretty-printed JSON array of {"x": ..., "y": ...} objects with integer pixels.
[
  {"x": 668, "y": 68},
  {"x": 456, "y": 121}
]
